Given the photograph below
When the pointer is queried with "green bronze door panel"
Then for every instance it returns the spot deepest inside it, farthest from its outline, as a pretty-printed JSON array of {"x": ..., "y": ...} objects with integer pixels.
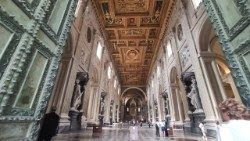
[
  {"x": 5, "y": 38},
  {"x": 231, "y": 19},
  {"x": 228, "y": 9},
  {"x": 32, "y": 38}
]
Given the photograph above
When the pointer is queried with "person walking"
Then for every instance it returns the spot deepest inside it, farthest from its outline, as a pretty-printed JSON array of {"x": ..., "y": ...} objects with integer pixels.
[
  {"x": 50, "y": 126},
  {"x": 163, "y": 130},
  {"x": 157, "y": 130},
  {"x": 149, "y": 124},
  {"x": 202, "y": 127},
  {"x": 166, "y": 128}
]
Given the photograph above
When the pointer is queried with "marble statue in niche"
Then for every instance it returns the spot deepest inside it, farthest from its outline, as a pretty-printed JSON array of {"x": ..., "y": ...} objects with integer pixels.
[
  {"x": 75, "y": 112},
  {"x": 196, "y": 113},
  {"x": 102, "y": 103},
  {"x": 111, "y": 112},
  {"x": 188, "y": 78},
  {"x": 193, "y": 94},
  {"x": 101, "y": 108},
  {"x": 78, "y": 95},
  {"x": 165, "y": 98},
  {"x": 156, "y": 110}
]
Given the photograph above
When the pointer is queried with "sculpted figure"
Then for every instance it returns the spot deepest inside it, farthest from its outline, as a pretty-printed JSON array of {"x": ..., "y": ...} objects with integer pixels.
[
  {"x": 78, "y": 93},
  {"x": 189, "y": 81},
  {"x": 77, "y": 96},
  {"x": 193, "y": 95}
]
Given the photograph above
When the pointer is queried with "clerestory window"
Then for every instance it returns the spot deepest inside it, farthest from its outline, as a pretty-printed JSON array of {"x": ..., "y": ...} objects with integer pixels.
[
  {"x": 169, "y": 49},
  {"x": 109, "y": 72},
  {"x": 196, "y": 3},
  {"x": 99, "y": 50}
]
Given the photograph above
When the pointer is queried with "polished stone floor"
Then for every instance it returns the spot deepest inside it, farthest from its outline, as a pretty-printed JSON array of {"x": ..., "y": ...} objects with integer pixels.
[{"x": 116, "y": 134}]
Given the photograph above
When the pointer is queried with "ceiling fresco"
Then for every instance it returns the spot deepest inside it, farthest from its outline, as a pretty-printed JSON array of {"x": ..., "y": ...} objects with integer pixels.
[{"x": 133, "y": 29}]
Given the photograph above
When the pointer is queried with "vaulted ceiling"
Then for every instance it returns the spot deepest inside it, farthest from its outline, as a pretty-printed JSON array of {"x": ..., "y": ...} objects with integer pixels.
[{"x": 133, "y": 29}]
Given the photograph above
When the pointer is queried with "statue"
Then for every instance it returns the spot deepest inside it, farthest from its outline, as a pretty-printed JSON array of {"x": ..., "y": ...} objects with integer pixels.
[
  {"x": 75, "y": 113},
  {"x": 196, "y": 113},
  {"x": 188, "y": 78},
  {"x": 78, "y": 95},
  {"x": 193, "y": 94},
  {"x": 102, "y": 103}
]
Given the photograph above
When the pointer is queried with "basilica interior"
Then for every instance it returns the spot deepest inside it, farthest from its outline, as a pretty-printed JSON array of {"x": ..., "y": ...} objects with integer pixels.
[{"x": 106, "y": 64}]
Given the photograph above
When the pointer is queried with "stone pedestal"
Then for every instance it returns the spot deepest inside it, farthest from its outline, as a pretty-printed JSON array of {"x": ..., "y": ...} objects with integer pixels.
[
  {"x": 193, "y": 125},
  {"x": 75, "y": 120}
]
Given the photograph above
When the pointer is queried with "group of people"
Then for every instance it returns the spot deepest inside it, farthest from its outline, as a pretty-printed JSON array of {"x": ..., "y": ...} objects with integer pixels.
[
  {"x": 235, "y": 125},
  {"x": 163, "y": 126}
]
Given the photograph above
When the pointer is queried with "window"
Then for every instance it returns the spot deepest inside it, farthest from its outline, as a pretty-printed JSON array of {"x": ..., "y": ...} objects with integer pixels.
[
  {"x": 109, "y": 72},
  {"x": 119, "y": 90},
  {"x": 99, "y": 51},
  {"x": 169, "y": 49},
  {"x": 115, "y": 83},
  {"x": 158, "y": 71},
  {"x": 196, "y": 3},
  {"x": 78, "y": 7}
]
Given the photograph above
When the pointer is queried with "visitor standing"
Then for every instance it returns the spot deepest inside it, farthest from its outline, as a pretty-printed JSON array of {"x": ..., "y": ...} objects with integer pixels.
[
  {"x": 166, "y": 128},
  {"x": 149, "y": 124},
  {"x": 49, "y": 125},
  {"x": 236, "y": 124},
  {"x": 202, "y": 127},
  {"x": 157, "y": 130},
  {"x": 162, "y": 125}
]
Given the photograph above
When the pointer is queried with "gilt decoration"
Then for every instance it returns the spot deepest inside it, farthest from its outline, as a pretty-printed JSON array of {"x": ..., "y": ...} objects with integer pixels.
[{"x": 133, "y": 31}]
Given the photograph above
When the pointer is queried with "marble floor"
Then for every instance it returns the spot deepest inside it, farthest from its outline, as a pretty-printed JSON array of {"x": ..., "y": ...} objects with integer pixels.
[{"x": 116, "y": 134}]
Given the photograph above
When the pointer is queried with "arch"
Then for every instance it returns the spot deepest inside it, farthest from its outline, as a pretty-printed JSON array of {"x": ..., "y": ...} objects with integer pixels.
[
  {"x": 130, "y": 98},
  {"x": 134, "y": 88},
  {"x": 177, "y": 99},
  {"x": 173, "y": 75},
  {"x": 206, "y": 35},
  {"x": 216, "y": 67}
]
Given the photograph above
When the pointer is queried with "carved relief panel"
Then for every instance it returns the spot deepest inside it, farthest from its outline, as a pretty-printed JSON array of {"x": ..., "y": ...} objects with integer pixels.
[{"x": 185, "y": 57}]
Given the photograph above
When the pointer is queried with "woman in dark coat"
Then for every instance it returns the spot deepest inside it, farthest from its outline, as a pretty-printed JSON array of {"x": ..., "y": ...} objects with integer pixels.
[
  {"x": 157, "y": 130},
  {"x": 49, "y": 126}
]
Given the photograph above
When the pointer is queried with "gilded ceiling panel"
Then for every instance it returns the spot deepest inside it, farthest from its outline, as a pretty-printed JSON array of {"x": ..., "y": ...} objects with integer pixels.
[
  {"x": 133, "y": 29},
  {"x": 131, "y": 6}
]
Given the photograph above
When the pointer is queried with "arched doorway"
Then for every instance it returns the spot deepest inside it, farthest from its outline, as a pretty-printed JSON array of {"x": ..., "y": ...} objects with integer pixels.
[
  {"x": 134, "y": 104},
  {"x": 178, "y": 107},
  {"x": 217, "y": 73}
]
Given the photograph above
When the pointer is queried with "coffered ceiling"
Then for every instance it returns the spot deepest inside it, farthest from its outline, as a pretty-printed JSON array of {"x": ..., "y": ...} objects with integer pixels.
[{"x": 133, "y": 29}]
